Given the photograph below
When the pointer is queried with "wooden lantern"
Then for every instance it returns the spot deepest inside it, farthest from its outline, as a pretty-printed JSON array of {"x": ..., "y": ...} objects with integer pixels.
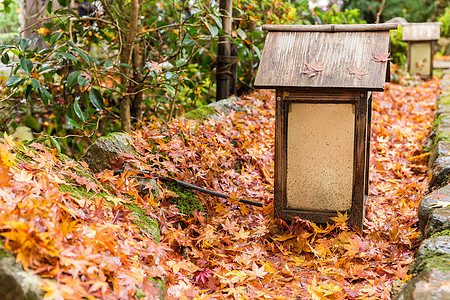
[
  {"x": 323, "y": 75},
  {"x": 421, "y": 38}
]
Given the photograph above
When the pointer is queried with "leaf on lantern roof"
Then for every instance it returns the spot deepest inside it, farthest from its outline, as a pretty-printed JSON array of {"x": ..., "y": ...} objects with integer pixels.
[
  {"x": 381, "y": 57},
  {"x": 357, "y": 72},
  {"x": 314, "y": 69}
]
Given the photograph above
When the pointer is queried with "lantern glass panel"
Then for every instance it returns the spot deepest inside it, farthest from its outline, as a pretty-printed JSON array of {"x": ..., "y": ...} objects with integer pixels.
[
  {"x": 320, "y": 156},
  {"x": 420, "y": 58}
]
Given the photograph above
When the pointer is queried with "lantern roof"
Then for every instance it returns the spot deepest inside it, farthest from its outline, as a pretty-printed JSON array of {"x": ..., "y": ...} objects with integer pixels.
[
  {"x": 325, "y": 56},
  {"x": 415, "y": 32}
]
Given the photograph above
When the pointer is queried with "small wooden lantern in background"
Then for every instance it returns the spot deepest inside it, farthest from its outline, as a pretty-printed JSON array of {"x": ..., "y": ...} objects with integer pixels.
[
  {"x": 421, "y": 38},
  {"x": 323, "y": 75}
]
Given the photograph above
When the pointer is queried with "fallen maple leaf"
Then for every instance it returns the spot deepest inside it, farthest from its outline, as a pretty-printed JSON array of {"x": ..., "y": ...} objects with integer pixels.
[
  {"x": 203, "y": 276},
  {"x": 257, "y": 272},
  {"x": 357, "y": 72},
  {"x": 381, "y": 57},
  {"x": 314, "y": 69}
]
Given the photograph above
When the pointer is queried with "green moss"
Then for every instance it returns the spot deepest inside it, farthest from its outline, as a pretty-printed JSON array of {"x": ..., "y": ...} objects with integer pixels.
[
  {"x": 431, "y": 260},
  {"x": 201, "y": 113},
  {"x": 3, "y": 251},
  {"x": 445, "y": 100},
  {"x": 441, "y": 262},
  {"x": 144, "y": 222},
  {"x": 441, "y": 233},
  {"x": 445, "y": 181},
  {"x": 159, "y": 283},
  {"x": 187, "y": 202},
  {"x": 440, "y": 136},
  {"x": 438, "y": 73},
  {"x": 31, "y": 122}
]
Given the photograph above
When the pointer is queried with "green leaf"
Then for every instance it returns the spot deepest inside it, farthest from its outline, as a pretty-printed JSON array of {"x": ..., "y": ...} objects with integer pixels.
[
  {"x": 189, "y": 42},
  {"x": 96, "y": 61},
  {"x": 55, "y": 37},
  {"x": 108, "y": 64},
  {"x": 66, "y": 55},
  {"x": 126, "y": 66},
  {"x": 73, "y": 123},
  {"x": 120, "y": 86},
  {"x": 12, "y": 81},
  {"x": 82, "y": 80},
  {"x": 15, "y": 52},
  {"x": 217, "y": 20},
  {"x": 169, "y": 88},
  {"x": 5, "y": 59},
  {"x": 241, "y": 34},
  {"x": 195, "y": 11},
  {"x": 45, "y": 96},
  {"x": 82, "y": 54},
  {"x": 213, "y": 30},
  {"x": 258, "y": 53},
  {"x": 96, "y": 98},
  {"x": 169, "y": 75},
  {"x": 46, "y": 70},
  {"x": 180, "y": 62},
  {"x": 72, "y": 78},
  {"x": 26, "y": 65},
  {"x": 56, "y": 143},
  {"x": 63, "y": 3},
  {"x": 24, "y": 44},
  {"x": 78, "y": 111},
  {"x": 35, "y": 84},
  {"x": 28, "y": 90},
  {"x": 66, "y": 11}
]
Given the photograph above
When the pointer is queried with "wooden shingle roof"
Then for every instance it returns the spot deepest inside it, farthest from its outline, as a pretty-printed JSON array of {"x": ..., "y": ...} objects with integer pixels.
[
  {"x": 325, "y": 56},
  {"x": 421, "y": 31}
]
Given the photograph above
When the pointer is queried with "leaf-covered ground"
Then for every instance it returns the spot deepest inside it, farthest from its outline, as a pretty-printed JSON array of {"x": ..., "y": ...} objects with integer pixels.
[{"x": 87, "y": 246}]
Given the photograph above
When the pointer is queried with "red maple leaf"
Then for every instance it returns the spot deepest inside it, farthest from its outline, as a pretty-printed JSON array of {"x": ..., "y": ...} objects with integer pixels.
[
  {"x": 381, "y": 57},
  {"x": 203, "y": 276},
  {"x": 357, "y": 72},
  {"x": 314, "y": 69}
]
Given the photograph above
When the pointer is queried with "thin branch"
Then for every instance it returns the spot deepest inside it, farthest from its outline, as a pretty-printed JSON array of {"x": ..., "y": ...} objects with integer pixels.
[{"x": 380, "y": 11}]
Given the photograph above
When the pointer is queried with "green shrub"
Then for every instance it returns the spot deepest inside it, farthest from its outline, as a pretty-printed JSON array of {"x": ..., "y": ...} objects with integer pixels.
[
  {"x": 9, "y": 18},
  {"x": 411, "y": 10},
  {"x": 399, "y": 48},
  {"x": 445, "y": 20}
]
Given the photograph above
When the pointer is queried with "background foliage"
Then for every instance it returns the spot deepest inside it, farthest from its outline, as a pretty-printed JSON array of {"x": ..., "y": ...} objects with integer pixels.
[
  {"x": 411, "y": 10},
  {"x": 74, "y": 87}
]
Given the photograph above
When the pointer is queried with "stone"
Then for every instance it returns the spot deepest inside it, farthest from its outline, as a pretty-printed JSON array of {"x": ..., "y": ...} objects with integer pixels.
[
  {"x": 15, "y": 283},
  {"x": 23, "y": 133},
  {"x": 439, "y": 220},
  {"x": 442, "y": 149},
  {"x": 433, "y": 253},
  {"x": 432, "y": 284},
  {"x": 439, "y": 176},
  {"x": 426, "y": 205},
  {"x": 99, "y": 155},
  {"x": 439, "y": 245},
  {"x": 226, "y": 106}
]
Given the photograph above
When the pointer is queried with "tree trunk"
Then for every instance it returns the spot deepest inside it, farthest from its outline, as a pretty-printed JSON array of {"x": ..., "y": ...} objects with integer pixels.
[
  {"x": 136, "y": 105},
  {"x": 126, "y": 58},
  {"x": 223, "y": 52},
  {"x": 31, "y": 14}
]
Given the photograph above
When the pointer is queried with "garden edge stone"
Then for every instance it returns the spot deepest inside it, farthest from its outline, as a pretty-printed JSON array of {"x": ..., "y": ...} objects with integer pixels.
[{"x": 431, "y": 268}]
